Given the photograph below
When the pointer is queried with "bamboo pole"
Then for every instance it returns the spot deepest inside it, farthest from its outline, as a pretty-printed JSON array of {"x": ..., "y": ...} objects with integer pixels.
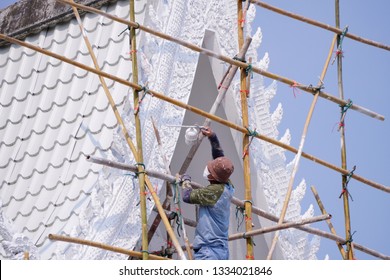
[
  {"x": 300, "y": 150},
  {"x": 229, "y": 60},
  {"x": 120, "y": 121},
  {"x": 245, "y": 140},
  {"x": 199, "y": 112},
  {"x": 222, "y": 89},
  {"x": 342, "y": 138},
  {"x": 140, "y": 157},
  {"x": 320, "y": 25},
  {"x": 169, "y": 189},
  {"x": 102, "y": 246},
  {"x": 169, "y": 193},
  {"x": 278, "y": 227},
  {"x": 186, "y": 221},
  {"x": 330, "y": 225},
  {"x": 237, "y": 202}
]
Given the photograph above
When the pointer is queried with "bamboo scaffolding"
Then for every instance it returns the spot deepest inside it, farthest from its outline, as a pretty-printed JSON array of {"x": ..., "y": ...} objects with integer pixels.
[
  {"x": 120, "y": 121},
  {"x": 140, "y": 157},
  {"x": 186, "y": 221},
  {"x": 248, "y": 234},
  {"x": 347, "y": 215},
  {"x": 102, "y": 246},
  {"x": 199, "y": 112},
  {"x": 245, "y": 140},
  {"x": 336, "y": 30},
  {"x": 330, "y": 225},
  {"x": 300, "y": 150},
  {"x": 239, "y": 203},
  {"x": 170, "y": 193},
  {"x": 309, "y": 88},
  {"x": 222, "y": 89}
]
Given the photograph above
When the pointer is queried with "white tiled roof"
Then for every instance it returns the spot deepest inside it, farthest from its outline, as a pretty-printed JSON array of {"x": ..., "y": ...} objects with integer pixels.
[{"x": 53, "y": 115}]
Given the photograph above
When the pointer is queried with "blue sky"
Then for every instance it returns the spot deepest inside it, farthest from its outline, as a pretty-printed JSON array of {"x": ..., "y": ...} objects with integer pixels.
[{"x": 298, "y": 51}]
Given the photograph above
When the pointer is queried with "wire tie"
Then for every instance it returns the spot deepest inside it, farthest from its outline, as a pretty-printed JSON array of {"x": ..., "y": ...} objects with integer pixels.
[
  {"x": 252, "y": 135},
  {"x": 127, "y": 28},
  {"x": 144, "y": 251},
  {"x": 146, "y": 91},
  {"x": 239, "y": 59},
  {"x": 349, "y": 240},
  {"x": 250, "y": 201},
  {"x": 344, "y": 109},
  {"x": 135, "y": 27},
  {"x": 339, "y": 52},
  {"x": 345, "y": 189}
]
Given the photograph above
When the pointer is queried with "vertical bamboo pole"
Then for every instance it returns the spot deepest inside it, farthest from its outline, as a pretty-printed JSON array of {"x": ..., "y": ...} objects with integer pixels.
[
  {"x": 222, "y": 90},
  {"x": 141, "y": 166},
  {"x": 125, "y": 133},
  {"x": 330, "y": 225},
  {"x": 245, "y": 143},
  {"x": 300, "y": 149},
  {"x": 343, "y": 144}
]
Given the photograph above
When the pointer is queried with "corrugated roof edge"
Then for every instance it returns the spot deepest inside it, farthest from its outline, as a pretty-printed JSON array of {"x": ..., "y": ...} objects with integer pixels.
[{"x": 14, "y": 23}]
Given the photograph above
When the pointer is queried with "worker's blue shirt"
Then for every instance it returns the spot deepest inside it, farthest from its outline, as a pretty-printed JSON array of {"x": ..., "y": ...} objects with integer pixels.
[{"x": 213, "y": 224}]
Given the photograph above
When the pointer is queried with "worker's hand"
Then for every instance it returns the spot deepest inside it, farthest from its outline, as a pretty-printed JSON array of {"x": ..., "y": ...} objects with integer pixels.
[{"x": 206, "y": 130}]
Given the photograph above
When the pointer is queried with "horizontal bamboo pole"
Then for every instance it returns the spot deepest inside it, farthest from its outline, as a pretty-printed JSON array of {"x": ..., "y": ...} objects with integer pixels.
[
  {"x": 279, "y": 227},
  {"x": 103, "y": 246},
  {"x": 239, "y": 203},
  {"x": 197, "y": 111},
  {"x": 320, "y": 24},
  {"x": 229, "y": 60}
]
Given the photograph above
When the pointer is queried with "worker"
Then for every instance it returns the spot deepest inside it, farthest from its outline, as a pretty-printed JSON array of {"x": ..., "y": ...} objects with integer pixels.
[{"x": 211, "y": 234}]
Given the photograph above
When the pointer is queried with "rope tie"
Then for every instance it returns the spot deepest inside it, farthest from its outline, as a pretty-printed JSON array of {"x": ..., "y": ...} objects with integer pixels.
[
  {"x": 344, "y": 109},
  {"x": 339, "y": 52},
  {"x": 249, "y": 70},
  {"x": 295, "y": 88},
  {"x": 221, "y": 86},
  {"x": 345, "y": 187},
  {"x": 146, "y": 91},
  {"x": 251, "y": 134},
  {"x": 246, "y": 91}
]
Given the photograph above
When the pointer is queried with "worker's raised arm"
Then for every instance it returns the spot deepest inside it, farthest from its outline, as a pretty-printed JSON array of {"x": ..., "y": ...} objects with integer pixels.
[{"x": 216, "y": 150}]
